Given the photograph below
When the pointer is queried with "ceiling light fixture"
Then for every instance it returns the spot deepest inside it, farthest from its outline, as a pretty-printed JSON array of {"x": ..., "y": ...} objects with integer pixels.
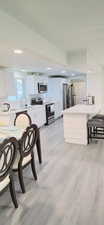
[
  {"x": 18, "y": 51},
  {"x": 23, "y": 70},
  {"x": 63, "y": 71},
  {"x": 90, "y": 71},
  {"x": 49, "y": 68}
]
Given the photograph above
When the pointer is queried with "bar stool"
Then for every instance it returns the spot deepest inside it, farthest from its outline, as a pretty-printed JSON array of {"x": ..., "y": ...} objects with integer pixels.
[
  {"x": 95, "y": 128},
  {"x": 99, "y": 116}
]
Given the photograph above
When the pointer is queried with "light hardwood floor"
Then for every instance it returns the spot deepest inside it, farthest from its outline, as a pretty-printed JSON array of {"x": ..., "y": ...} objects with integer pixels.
[{"x": 70, "y": 187}]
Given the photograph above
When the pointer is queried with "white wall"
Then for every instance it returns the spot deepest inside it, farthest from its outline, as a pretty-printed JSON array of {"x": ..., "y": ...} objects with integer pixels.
[
  {"x": 30, "y": 83},
  {"x": 55, "y": 93},
  {"x": 8, "y": 87},
  {"x": 95, "y": 86},
  {"x": 79, "y": 90},
  {"x": 7, "y": 84}
]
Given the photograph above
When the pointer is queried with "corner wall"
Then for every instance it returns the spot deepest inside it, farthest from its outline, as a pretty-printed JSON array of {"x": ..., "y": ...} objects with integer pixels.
[{"x": 95, "y": 86}]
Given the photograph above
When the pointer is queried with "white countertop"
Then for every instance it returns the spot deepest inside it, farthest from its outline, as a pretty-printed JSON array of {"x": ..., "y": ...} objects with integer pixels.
[
  {"x": 2, "y": 113},
  {"x": 83, "y": 109},
  {"x": 21, "y": 109},
  {"x": 29, "y": 108}
]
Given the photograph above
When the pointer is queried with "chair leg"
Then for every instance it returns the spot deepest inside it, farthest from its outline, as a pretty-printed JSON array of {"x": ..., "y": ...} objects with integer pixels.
[
  {"x": 20, "y": 175},
  {"x": 38, "y": 145},
  {"x": 12, "y": 192},
  {"x": 33, "y": 168},
  {"x": 88, "y": 135}
]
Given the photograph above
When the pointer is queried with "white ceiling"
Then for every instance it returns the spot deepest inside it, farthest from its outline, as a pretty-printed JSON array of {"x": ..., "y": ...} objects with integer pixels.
[
  {"x": 66, "y": 23},
  {"x": 30, "y": 62}
]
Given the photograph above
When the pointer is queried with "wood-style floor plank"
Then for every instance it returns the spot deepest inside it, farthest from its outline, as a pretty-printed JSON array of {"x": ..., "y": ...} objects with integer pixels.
[{"x": 70, "y": 187}]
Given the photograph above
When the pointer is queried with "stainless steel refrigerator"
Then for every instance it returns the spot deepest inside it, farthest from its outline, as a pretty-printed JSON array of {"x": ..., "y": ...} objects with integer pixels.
[{"x": 68, "y": 96}]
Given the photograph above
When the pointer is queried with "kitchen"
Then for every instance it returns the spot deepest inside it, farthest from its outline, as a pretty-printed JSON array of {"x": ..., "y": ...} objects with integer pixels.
[
  {"x": 23, "y": 93},
  {"x": 35, "y": 93},
  {"x": 46, "y": 98}
]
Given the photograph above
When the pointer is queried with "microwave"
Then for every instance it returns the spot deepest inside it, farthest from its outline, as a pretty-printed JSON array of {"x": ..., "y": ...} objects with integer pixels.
[{"x": 42, "y": 87}]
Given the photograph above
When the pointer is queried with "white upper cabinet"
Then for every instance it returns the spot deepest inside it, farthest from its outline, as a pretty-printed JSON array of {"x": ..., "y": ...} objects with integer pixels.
[
  {"x": 55, "y": 92},
  {"x": 30, "y": 85}
]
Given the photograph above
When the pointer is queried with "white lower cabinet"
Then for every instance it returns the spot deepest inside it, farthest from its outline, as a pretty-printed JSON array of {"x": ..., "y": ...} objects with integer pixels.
[
  {"x": 38, "y": 115},
  {"x": 58, "y": 110}
]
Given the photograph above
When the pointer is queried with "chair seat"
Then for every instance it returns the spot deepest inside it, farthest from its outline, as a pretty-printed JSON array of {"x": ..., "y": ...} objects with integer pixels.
[
  {"x": 24, "y": 162},
  {"x": 4, "y": 183},
  {"x": 99, "y": 116}
]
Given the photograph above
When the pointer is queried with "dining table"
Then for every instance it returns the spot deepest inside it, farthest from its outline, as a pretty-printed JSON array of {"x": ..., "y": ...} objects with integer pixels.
[
  {"x": 10, "y": 131},
  {"x": 17, "y": 132}
]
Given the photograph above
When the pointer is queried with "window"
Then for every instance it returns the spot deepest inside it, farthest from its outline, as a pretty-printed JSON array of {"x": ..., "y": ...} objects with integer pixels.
[{"x": 12, "y": 98}]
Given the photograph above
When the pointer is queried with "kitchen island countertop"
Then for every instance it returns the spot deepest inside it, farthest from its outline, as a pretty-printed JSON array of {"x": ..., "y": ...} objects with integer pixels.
[
  {"x": 83, "y": 109},
  {"x": 75, "y": 122}
]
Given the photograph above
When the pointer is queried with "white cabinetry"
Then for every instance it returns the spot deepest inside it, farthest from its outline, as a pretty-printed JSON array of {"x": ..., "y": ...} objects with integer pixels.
[
  {"x": 38, "y": 115},
  {"x": 40, "y": 79},
  {"x": 55, "y": 93},
  {"x": 30, "y": 86},
  {"x": 58, "y": 109},
  {"x": 75, "y": 122}
]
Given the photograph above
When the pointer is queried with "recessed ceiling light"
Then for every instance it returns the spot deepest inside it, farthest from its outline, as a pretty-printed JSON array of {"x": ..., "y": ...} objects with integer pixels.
[
  {"x": 23, "y": 70},
  {"x": 18, "y": 51},
  {"x": 63, "y": 71},
  {"x": 89, "y": 71},
  {"x": 49, "y": 68}
]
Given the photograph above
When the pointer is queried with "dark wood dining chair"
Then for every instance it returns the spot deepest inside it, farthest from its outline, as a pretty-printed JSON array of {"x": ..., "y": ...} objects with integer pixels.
[
  {"x": 26, "y": 153},
  {"x": 8, "y": 149},
  {"x": 23, "y": 120}
]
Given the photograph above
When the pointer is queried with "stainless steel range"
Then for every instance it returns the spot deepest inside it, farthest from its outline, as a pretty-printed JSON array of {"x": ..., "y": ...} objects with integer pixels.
[{"x": 50, "y": 113}]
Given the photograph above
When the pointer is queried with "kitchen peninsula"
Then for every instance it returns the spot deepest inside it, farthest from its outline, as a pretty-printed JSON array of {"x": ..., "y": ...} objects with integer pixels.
[{"x": 75, "y": 122}]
